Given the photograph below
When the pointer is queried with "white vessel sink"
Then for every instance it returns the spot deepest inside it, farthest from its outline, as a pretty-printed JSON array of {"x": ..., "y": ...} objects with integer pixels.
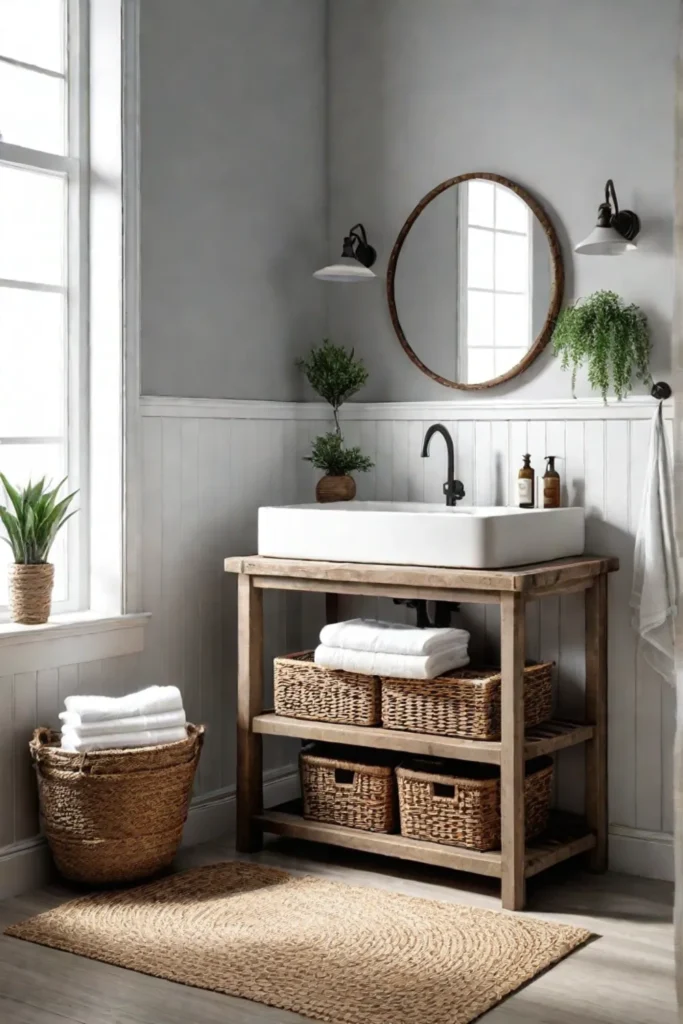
[{"x": 413, "y": 533}]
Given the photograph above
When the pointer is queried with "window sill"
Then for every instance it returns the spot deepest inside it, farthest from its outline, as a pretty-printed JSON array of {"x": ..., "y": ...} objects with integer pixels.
[{"x": 72, "y": 638}]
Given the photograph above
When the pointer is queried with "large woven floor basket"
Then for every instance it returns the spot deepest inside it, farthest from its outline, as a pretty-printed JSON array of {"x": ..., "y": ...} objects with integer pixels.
[
  {"x": 114, "y": 815},
  {"x": 458, "y": 803},
  {"x": 464, "y": 702}
]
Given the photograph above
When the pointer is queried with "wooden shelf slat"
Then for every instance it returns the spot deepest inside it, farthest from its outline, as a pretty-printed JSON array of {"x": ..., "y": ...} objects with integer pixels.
[
  {"x": 544, "y": 739},
  {"x": 566, "y": 837}
]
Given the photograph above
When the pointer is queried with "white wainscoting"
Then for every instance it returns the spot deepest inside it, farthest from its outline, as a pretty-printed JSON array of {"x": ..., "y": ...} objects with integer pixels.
[{"x": 208, "y": 465}]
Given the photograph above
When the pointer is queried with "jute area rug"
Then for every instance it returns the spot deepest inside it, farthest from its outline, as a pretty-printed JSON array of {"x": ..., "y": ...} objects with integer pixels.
[{"x": 332, "y": 952}]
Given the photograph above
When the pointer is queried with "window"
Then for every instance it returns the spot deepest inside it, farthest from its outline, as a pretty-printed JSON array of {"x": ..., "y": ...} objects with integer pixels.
[
  {"x": 495, "y": 283},
  {"x": 43, "y": 267}
]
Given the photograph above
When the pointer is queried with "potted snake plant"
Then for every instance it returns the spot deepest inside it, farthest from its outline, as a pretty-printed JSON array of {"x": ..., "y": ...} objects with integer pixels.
[
  {"x": 32, "y": 522},
  {"x": 336, "y": 375}
]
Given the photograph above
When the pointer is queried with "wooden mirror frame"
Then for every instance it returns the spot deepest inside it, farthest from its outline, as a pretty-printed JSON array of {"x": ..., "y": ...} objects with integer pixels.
[{"x": 556, "y": 294}]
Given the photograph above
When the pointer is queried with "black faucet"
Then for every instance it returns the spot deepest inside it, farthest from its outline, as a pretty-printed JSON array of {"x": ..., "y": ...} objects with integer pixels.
[{"x": 453, "y": 489}]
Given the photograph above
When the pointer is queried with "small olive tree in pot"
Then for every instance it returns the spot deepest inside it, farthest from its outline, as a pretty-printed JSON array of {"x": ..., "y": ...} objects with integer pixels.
[
  {"x": 610, "y": 337},
  {"x": 336, "y": 375},
  {"x": 35, "y": 518}
]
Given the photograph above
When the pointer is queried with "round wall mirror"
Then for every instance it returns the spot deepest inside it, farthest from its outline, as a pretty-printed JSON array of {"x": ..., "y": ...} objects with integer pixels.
[{"x": 475, "y": 281}]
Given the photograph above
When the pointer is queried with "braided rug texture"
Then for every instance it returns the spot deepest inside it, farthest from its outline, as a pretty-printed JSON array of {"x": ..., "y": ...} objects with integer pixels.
[{"x": 330, "y": 951}]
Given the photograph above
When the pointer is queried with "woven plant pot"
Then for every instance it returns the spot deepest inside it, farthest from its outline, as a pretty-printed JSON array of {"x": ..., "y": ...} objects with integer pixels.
[
  {"x": 30, "y": 592},
  {"x": 335, "y": 488},
  {"x": 114, "y": 815}
]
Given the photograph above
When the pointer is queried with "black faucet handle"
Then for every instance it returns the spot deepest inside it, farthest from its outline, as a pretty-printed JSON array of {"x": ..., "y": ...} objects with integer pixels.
[{"x": 454, "y": 489}]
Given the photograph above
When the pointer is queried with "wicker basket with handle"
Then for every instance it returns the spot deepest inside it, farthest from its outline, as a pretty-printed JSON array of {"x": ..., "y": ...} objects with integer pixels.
[
  {"x": 464, "y": 702},
  {"x": 305, "y": 690},
  {"x": 353, "y": 787},
  {"x": 114, "y": 815},
  {"x": 458, "y": 803}
]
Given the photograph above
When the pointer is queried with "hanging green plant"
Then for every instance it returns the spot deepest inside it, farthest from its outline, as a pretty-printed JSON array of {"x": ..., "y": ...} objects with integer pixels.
[{"x": 610, "y": 337}]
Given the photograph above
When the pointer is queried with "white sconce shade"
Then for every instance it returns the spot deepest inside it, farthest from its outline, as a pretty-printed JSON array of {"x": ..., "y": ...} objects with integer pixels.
[
  {"x": 356, "y": 259},
  {"x": 605, "y": 242},
  {"x": 614, "y": 233},
  {"x": 347, "y": 271}
]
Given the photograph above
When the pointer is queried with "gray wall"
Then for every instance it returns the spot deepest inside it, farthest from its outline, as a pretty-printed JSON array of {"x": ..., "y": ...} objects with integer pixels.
[
  {"x": 233, "y": 194},
  {"x": 558, "y": 95}
]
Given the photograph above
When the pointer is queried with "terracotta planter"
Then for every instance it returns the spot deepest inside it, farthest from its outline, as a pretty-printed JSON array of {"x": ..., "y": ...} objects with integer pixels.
[
  {"x": 335, "y": 488},
  {"x": 30, "y": 593}
]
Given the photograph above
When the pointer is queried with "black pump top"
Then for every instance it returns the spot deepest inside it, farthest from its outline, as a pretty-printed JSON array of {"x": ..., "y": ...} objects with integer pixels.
[
  {"x": 527, "y": 461},
  {"x": 550, "y": 459}
]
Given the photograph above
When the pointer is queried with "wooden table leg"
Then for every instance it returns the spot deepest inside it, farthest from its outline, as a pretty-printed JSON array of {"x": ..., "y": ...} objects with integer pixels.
[
  {"x": 249, "y": 704},
  {"x": 512, "y": 633},
  {"x": 596, "y": 714}
]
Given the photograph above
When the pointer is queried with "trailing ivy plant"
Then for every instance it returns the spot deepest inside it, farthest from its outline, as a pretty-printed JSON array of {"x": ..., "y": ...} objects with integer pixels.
[
  {"x": 336, "y": 375},
  {"x": 35, "y": 519},
  {"x": 610, "y": 337}
]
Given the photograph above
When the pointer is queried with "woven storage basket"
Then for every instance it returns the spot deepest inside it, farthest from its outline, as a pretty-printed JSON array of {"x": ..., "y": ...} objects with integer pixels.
[
  {"x": 341, "y": 787},
  {"x": 306, "y": 690},
  {"x": 114, "y": 815},
  {"x": 458, "y": 803},
  {"x": 465, "y": 702}
]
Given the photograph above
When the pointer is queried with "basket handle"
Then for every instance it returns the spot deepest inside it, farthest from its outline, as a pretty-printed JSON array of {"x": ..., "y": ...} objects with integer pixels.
[
  {"x": 442, "y": 791},
  {"x": 344, "y": 777}
]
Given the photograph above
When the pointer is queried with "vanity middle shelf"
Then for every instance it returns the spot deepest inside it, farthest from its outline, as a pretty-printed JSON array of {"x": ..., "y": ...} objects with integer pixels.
[{"x": 544, "y": 739}]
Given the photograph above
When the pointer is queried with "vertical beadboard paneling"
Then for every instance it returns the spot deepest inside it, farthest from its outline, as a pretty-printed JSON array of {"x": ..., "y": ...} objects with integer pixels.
[
  {"x": 6, "y": 760},
  {"x": 25, "y": 721}
]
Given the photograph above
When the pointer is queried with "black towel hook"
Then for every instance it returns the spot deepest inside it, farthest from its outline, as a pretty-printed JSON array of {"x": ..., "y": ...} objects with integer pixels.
[{"x": 661, "y": 391}]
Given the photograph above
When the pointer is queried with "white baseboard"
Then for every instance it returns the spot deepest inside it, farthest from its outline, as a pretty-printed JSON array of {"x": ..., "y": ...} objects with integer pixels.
[
  {"x": 634, "y": 851},
  {"x": 213, "y": 815},
  {"x": 27, "y": 865}
]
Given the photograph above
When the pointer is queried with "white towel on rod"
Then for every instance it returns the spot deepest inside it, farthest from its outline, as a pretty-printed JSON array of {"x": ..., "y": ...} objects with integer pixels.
[
  {"x": 391, "y": 637},
  {"x": 74, "y": 743},
  {"x": 401, "y": 666},
  {"x": 71, "y": 722},
  {"x": 152, "y": 701},
  {"x": 655, "y": 590}
]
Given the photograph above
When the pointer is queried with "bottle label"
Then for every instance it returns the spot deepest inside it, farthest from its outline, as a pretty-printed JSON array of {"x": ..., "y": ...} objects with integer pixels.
[
  {"x": 551, "y": 493},
  {"x": 525, "y": 491}
]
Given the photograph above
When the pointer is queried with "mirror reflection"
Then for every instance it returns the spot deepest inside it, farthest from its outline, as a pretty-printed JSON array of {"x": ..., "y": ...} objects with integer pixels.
[{"x": 474, "y": 282}]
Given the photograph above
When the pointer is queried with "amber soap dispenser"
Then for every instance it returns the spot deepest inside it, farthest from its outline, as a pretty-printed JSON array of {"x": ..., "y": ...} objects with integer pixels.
[
  {"x": 526, "y": 485},
  {"x": 551, "y": 484}
]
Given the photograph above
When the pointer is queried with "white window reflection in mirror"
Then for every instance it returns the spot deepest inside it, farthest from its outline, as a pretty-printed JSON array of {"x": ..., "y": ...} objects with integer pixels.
[{"x": 495, "y": 291}]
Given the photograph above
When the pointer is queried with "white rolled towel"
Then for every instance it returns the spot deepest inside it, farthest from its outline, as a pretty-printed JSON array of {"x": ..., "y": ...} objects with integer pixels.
[
  {"x": 72, "y": 722},
  {"x": 76, "y": 744},
  {"x": 391, "y": 637},
  {"x": 401, "y": 666},
  {"x": 152, "y": 701}
]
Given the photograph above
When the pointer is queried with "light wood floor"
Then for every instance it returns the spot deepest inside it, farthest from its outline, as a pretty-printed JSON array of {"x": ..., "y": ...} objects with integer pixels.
[{"x": 624, "y": 977}]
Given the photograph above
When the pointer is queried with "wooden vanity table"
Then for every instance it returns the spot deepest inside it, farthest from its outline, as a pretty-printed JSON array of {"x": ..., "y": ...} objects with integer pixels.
[{"x": 512, "y": 589}]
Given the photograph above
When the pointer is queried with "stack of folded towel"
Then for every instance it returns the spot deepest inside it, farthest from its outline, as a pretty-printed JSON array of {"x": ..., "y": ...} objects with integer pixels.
[
  {"x": 371, "y": 647},
  {"x": 144, "y": 719}
]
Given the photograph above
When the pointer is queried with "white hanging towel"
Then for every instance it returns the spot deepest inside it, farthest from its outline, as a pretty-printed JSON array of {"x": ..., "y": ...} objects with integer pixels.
[
  {"x": 391, "y": 637},
  {"x": 71, "y": 722},
  {"x": 654, "y": 595},
  {"x": 72, "y": 742},
  {"x": 152, "y": 701},
  {"x": 401, "y": 666}
]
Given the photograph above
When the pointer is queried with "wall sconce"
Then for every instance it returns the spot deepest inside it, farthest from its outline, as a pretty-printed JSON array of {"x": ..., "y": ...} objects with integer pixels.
[
  {"x": 356, "y": 259},
  {"x": 615, "y": 230}
]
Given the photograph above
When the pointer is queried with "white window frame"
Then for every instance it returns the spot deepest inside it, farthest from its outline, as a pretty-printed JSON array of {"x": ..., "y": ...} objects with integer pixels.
[
  {"x": 463, "y": 225},
  {"x": 75, "y": 167}
]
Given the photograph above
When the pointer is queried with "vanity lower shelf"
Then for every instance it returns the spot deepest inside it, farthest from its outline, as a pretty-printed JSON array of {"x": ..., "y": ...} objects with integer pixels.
[
  {"x": 567, "y": 836},
  {"x": 545, "y": 739}
]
